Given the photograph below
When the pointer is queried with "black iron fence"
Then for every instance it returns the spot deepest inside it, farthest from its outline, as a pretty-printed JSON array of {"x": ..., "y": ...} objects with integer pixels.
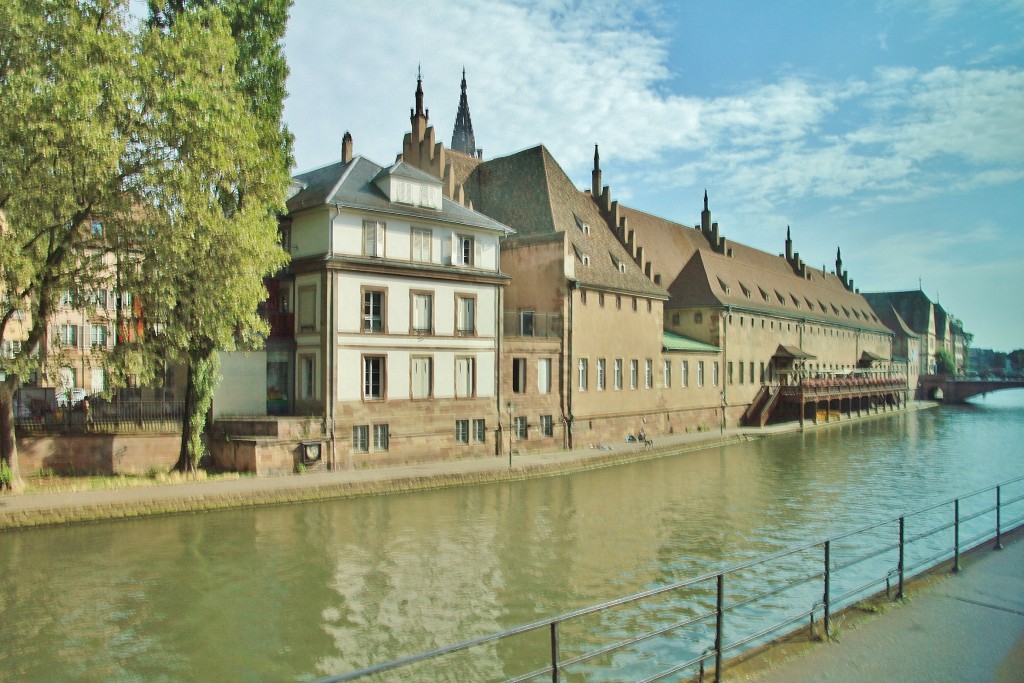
[
  {"x": 95, "y": 415},
  {"x": 688, "y": 628}
]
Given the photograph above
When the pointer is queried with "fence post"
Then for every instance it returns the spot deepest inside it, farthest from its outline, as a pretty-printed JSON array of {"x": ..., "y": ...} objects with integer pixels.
[
  {"x": 554, "y": 652},
  {"x": 956, "y": 535},
  {"x": 899, "y": 592},
  {"x": 719, "y": 616},
  {"x": 999, "y": 540},
  {"x": 828, "y": 628}
]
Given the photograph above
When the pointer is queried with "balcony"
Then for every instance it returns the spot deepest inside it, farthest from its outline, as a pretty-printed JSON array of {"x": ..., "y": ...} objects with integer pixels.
[{"x": 530, "y": 324}]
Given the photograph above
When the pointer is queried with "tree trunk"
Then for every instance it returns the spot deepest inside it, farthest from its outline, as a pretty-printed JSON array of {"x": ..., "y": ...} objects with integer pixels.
[
  {"x": 203, "y": 366},
  {"x": 8, "y": 442}
]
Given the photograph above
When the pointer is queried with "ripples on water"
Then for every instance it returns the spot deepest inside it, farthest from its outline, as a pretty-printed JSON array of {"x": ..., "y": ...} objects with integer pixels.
[{"x": 297, "y": 592}]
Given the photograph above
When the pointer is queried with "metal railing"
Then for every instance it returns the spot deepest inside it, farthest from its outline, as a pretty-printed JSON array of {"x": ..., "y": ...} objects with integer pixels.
[
  {"x": 101, "y": 416},
  {"x": 727, "y": 613}
]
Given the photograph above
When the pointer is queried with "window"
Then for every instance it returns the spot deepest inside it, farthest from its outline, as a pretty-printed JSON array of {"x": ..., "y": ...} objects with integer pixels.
[
  {"x": 544, "y": 376},
  {"x": 307, "y": 369},
  {"x": 518, "y": 375},
  {"x": 420, "y": 238},
  {"x": 684, "y": 373},
  {"x": 634, "y": 304},
  {"x": 373, "y": 310},
  {"x": 463, "y": 253},
  {"x": 675, "y": 318},
  {"x": 634, "y": 373},
  {"x": 462, "y": 431},
  {"x": 700, "y": 373},
  {"x": 422, "y": 313},
  {"x": 526, "y": 323},
  {"x": 714, "y": 375},
  {"x": 547, "y": 425},
  {"x": 519, "y": 427},
  {"x": 667, "y": 373},
  {"x": 99, "y": 336},
  {"x": 422, "y": 377},
  {"x": 307, "y": 309},
  {"x": 465, "y": 380},
  {"x": 600, "y": 299},
  {"x": 698, "y": 318},
  {"x": 373, "y": 377},
  {"x": 100, "y": 298},
  {"x": 751, "y": 372},
  {"x": 581, "y": 368},
  {"x": 361, "y": 438},
  {"x": 762, "y": 372},
  {"x": 479, "y": 430},
  {"x": 729, "y": 372},
  {"x": 601, "y": 367},
  {"x": 68, "y": 335},
  {"x": 618, "y": 373},
  {"x": 380, "y": 437},
  {"x": 466, "y": 316},
  {"x": 583, "y": 297},
  {"x": 741, "y": 371},
  {"x": 618, "y": 302},
  {"x": 373, "y": 238},
  {"x": 648, "y": 373},
  {"x": 650, "y": 306}
]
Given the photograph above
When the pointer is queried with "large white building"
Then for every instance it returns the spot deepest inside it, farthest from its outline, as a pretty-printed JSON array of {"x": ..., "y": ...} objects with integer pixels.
[{"x": 397, "y": 293}]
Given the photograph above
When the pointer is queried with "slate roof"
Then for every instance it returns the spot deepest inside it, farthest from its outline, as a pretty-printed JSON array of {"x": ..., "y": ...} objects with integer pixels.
[
  {"x": 914, "y": 307},
  {"x": 351, "y": 185},
  {"x": 530, "y": 192},
  {"x": 698, "y": 276}
]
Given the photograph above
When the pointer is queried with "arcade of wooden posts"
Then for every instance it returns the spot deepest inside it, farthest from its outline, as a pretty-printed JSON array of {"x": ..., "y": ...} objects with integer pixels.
[{"x": 825, "y": 397}]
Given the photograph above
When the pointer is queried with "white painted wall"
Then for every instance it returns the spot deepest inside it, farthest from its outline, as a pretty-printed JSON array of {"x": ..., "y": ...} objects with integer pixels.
[{"x": 242, "y": 391}]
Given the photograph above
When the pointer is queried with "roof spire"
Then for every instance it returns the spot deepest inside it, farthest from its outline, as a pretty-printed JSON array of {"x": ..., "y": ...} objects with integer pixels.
[
  {"x": 419, "y": 91},
  {"x": 462, "y": 136},
  {"x": 705, "y": 199}
]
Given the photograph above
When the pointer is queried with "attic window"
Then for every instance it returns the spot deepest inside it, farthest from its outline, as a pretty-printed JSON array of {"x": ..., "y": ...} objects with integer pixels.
[
  {"x": 810, "y": 304},
  {"x": 746, "y": 290},
  {"x": 619, "y": 265},
  {"x": 584, "y": 259},
  {"x": 764, "y": 295},
  {"x": 823, "y": 309},
  {"x": 846, "y": 312},
  {"x": 834, "y": 309},
  {"x": 584, "y": 227},
  {"x": 856, "y": 313},
  {"x": 796, "y": 302},
  {"x": 725, "y": 287},
  {"x": 782, "y": 299}
]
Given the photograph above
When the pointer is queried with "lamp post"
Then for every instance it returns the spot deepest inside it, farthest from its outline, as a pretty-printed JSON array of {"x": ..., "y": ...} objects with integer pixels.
[
  {"x": 511, "y": 408},
  {"x": 723, "y": 413}
]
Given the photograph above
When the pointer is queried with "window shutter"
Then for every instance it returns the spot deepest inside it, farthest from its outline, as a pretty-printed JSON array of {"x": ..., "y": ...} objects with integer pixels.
[{"x": 455, "y": 255}]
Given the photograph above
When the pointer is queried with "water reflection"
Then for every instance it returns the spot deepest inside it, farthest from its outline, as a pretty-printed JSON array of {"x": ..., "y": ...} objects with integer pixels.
[{"x": 296, "y": 592}]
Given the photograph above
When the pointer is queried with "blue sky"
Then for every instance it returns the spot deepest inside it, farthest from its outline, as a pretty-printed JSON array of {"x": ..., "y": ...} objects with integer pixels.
[{"x": 894, "y": 130}]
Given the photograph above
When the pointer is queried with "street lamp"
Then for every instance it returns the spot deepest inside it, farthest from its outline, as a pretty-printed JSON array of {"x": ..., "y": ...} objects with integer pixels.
[{"x": 511, "y": 408}]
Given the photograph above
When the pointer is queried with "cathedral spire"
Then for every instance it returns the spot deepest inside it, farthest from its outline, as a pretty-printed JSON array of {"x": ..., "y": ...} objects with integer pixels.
[
  {"x": 462, "y": 137},
  {"x": 595, "y": 176}
]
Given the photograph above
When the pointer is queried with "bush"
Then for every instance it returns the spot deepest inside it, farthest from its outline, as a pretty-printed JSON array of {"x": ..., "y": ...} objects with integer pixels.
[{"x": 6, "y": 476}]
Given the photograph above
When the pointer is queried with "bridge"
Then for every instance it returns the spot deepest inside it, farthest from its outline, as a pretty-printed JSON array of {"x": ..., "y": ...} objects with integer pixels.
[{"x": 951, "y": 389}]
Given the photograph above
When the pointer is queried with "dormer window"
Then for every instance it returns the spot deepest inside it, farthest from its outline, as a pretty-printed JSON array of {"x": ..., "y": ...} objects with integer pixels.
[
  {"x": 746, "y": 290},
  {"x": 725, "y": 287},
  {"x": 782, "y": 299}
]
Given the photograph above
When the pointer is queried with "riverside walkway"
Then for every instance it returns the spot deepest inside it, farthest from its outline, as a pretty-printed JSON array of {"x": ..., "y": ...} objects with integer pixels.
[
  {"x": 45, "y": 509},
  {"x": 955, "y": 628}
]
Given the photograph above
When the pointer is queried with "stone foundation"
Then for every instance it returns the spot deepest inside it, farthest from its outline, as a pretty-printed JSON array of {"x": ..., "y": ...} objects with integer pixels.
[{"x": 101, "y": 454}]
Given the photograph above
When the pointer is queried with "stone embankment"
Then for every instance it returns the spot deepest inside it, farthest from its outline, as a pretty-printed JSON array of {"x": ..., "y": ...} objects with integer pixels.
[{"x": 47, "y": 509}]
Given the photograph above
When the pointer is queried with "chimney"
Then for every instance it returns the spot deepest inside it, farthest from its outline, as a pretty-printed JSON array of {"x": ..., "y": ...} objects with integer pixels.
[{"x": 346, "y": 148}]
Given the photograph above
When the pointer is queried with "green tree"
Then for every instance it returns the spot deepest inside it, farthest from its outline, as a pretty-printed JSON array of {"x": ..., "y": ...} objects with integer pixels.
[
  {"x": 944, "y": 364},
  {"x": 66, "y": 94},
  {"x": 243, "y": 207},
  {"x": 1016, "y": 358},
  {"x": 149, "y": 132}
]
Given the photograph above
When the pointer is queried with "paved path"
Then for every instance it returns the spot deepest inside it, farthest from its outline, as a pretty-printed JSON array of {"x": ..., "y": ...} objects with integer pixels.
[
  {"x": 39, "y": 509},
  {"x": 961, "y": 628}
]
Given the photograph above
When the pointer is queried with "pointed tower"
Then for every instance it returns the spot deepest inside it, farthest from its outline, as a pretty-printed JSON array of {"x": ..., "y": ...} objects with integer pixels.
[
  {"x": 462, "y": 137},
  {"x": 595, "y": 176},
  {"x": 705, "y": 216},
  {"x": 839, "y": 262}
]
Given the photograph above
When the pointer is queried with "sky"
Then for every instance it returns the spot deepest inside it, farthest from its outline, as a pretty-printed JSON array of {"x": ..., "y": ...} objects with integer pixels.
[{"x": 892, "y": 130}]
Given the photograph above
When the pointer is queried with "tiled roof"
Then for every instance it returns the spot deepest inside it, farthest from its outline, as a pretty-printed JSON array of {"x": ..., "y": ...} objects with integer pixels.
[
  {"x": 530, "y": 192},
  {"x": 351, "y": 186},
  {"x": 749, "y": 278},
  {"x": 674, "y": 342}
]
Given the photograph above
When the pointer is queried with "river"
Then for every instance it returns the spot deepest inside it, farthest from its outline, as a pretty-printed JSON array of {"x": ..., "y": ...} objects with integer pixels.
[{"x": 302, "y": 591}]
